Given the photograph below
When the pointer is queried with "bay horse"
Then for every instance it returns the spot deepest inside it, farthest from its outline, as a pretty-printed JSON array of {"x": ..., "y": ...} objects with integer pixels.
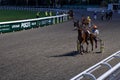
[
  {"x": 85, "y": 21},
  {"x": 83, "y": 37}
]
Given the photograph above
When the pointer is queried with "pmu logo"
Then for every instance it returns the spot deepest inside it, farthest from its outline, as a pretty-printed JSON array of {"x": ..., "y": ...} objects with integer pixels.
[{"x": 25, "y": 25}]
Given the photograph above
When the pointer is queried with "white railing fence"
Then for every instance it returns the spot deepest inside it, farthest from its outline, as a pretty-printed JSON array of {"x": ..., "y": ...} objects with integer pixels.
[{"x": 111, "y": 74}]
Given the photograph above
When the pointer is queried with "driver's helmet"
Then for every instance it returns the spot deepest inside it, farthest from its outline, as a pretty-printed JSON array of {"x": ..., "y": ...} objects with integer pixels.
[
  {"x": 88, "y": 17},
  {"x": 95, "y": 27}
]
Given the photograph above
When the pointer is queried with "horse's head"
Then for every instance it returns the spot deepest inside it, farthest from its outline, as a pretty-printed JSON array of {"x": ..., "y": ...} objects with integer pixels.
[
  {"x": 79, "y": 28},
  {"x": 76, "y": 23}
]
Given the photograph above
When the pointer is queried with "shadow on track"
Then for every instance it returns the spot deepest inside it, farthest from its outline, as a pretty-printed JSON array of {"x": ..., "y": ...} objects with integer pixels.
[{"x": 73, "y": 53}]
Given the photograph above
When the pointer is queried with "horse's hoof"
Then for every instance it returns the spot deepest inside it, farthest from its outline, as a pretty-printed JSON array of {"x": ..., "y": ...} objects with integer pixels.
[
  {"x": 81, "y": 53},
  {"x": 96, "y": 46},
  {"x": 86, "y": 51},
  {"x": 91, "y": 49}
]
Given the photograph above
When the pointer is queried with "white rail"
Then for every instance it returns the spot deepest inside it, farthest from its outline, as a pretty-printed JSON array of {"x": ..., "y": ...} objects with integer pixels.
[
  {"x": 105, "y": 75},
  {"x": 35, "y": 19},
  {"x": 97, "y": 66}
]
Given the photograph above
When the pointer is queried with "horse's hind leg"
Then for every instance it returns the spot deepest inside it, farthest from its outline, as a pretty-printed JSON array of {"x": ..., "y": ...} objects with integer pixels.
[
  {"x": 95, "y": 39},
  {"x": 81, "y": 49},
  {"x": 87, "y": 46},
  {"x": 78, "y": 46}
]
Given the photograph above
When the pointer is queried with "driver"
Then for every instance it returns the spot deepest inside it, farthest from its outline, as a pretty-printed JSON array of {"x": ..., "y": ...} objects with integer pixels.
[{"x": 95, "y": 31}]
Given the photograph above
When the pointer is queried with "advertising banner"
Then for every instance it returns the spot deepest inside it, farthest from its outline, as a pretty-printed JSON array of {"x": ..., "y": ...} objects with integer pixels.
[
  {"x": 4, "y": 28},
  {"x": 31, "y": 23}
]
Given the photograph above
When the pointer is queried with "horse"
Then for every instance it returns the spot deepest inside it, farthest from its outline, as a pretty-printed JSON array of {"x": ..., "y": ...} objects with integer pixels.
[
  {"x": 110, "y": 15},
  {"x": 83, "y": 37},
  {"x": 84, "y": 21},
  {"x": 92, "y": 40},
  {"x": 70, "y": 12}
]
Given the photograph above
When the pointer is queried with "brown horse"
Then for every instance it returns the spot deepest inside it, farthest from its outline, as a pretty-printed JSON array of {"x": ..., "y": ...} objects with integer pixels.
[
  {"x": 92, "y": 40},
  {"x": 85, "y": 21},
  {"x": 83, "y": 37}
]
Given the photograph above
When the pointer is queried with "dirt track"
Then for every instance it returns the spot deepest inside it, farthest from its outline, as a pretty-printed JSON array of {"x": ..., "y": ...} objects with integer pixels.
[{"x": 49, "y": 53}]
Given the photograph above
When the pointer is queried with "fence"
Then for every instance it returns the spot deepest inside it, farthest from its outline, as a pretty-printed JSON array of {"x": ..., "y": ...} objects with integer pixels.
[
  {"x": 112, "y": 74},
  {"x": 31, "y": 23}
]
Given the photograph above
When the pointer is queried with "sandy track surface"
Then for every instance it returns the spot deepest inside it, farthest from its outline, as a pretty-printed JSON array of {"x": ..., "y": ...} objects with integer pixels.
[{"x": 49, "y": 53}]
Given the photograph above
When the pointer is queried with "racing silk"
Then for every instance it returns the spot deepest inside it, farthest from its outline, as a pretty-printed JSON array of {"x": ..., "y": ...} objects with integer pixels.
[
  {"x": 95, "y": 32},
  {"x": 89, "y": 22}
]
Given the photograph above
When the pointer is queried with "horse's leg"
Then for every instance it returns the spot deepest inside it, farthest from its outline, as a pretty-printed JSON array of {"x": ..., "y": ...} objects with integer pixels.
[
  {"x": 91, "y": 41},
  {"x": 95, "y": 39},
  {"x": 82, "y": 42},
  {"x": 87, "y": 46},
  {"x": 81, "y": 49},
  {"x": 111, "y": 17}
]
